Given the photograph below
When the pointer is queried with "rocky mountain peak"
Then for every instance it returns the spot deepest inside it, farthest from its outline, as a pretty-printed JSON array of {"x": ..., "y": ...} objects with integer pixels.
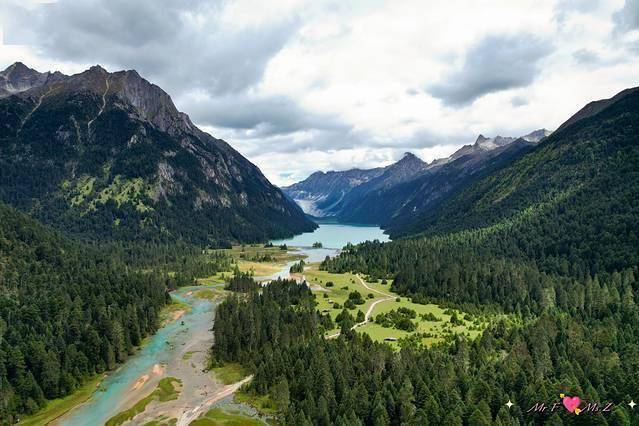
[
  {"x": 536, "y": 135},
  {"x": 409, "y": 158},
  {"x": 480, "y": 139},
  {"x": 18, "y": 78}
]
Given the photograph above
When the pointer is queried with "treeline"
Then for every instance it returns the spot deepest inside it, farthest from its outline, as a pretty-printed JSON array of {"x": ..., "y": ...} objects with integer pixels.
[
  {"x": 182, "y": 263},
  {"x": 241, "y": 282},
  {"x": 67, "y": 312}
]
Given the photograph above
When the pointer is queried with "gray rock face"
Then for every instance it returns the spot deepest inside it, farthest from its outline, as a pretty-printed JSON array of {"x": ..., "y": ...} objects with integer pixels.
[{"x": 18, "y": 78}]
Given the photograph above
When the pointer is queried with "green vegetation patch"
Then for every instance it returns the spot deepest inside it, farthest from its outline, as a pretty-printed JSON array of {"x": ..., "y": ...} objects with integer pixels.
[
  {"x": 340, "y": 290},
  {"x": 217, "y": 416},
  {"x": 262, "y": 403},
  {"x": 187, "y": 355},
  {"x": 229, "y": 373},
  {"x": 91, "y": 192},
  {"x": 210, "y": 293},
  {"x": 165, "y": 391},
  {"x": 169, "y": 311}
]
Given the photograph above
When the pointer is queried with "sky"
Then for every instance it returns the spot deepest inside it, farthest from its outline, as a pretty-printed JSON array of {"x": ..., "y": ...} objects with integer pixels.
[{"x": 299, "y": 86}]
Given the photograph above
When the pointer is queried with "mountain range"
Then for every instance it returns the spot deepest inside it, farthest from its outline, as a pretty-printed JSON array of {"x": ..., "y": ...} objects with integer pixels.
[
  {"x": 395, "y": 195},
  {"x": 108, "y": 155}
]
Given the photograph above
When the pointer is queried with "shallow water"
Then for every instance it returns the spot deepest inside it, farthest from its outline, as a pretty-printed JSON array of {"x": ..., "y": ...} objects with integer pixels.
[{"x": 162, "y": 347}]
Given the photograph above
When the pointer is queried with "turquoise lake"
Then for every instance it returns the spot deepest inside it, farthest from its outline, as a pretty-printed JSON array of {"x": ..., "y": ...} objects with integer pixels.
[{"x": 336, "y": 235}]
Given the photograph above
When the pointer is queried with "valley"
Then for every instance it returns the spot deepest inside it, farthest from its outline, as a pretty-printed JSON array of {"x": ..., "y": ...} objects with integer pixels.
[
  {"x": 169, "y": 381},
  {"x": 319, "y": 214}
]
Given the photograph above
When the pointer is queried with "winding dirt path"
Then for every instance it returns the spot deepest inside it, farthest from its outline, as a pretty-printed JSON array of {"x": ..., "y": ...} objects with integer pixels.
[
  {"x": 190, "y": 415},
  {"x": 369, "y": 312}
]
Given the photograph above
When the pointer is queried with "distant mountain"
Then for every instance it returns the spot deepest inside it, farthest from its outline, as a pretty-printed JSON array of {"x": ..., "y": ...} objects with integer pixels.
[
  {"x": 320, "y": 193},
  {"x": 398, "y": 193},
  {"x": 367, "y": 202},
  {"x": 19, "y": 78},
  {"x": 108, "y": 155}
]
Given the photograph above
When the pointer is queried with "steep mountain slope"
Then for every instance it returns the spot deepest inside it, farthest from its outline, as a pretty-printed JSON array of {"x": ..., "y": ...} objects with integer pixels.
[
  {"x": 572, "y": 201},
  {"x": 108, "y": 155},
  {"x": 365, "y": 203},
  {"x": 320, "y": 193},
  {"x": 414, "y": 199}
]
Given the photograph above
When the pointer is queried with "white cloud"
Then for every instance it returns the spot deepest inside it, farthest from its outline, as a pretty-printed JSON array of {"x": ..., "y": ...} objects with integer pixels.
[{"x": 300, "y": 85}]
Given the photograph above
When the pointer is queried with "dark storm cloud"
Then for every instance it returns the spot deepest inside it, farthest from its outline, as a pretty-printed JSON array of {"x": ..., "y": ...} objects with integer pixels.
[
  {"x": 627, "y": 19},
  {"x": 180, "y": 45},
  {"x": 495, "y": 63}
]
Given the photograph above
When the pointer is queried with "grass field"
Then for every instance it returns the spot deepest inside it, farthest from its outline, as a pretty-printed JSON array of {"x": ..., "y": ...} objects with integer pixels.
[
  {"x": 218, "y": 278},
  {"x": 57, "y": 407},
  {"x": 210, "y": 293},
  {"x": 433, "y": 331},
  {"x": 217, "y": 416},
  {"x": 167, "y": 390},
  {"x": 343, "y": 284},
  {"x": 430, "y": 331}
]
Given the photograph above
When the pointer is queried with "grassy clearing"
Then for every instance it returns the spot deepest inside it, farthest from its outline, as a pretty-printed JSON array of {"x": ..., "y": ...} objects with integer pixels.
[
  {"x": 218, "y": 278},
  {"x": 257, "y": 252},
  {"x": 259, "y": 269},
  {"x": 429, "y": 332},
  {"x": 343, "y": 285},
  {"x": 217, "y": 416},
  {"x": 168, "y": 389},
  {"x": 58, "y": 407},
  {"x": 432, "y": 331},
  {"x": 162, "y": 421},
  {"x": 229, "y": 373},
  {"x": 210, "y": 293}
]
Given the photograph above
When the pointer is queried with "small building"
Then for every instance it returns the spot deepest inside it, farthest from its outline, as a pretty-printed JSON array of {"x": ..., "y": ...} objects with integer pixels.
[{"x": 390, "y": 339}]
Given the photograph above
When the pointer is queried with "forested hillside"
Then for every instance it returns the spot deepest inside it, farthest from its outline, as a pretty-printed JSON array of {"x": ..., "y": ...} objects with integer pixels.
[{"x": 67, "y": 312}]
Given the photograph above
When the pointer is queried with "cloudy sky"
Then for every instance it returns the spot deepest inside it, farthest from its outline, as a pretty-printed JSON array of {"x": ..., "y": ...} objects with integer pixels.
[{"x": 298, "y": 86}]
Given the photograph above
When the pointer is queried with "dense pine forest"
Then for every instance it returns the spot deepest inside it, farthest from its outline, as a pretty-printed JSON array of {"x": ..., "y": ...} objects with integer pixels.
[
  {"x": 67, "y": 312},
  {"x": 550, "y": 238}
]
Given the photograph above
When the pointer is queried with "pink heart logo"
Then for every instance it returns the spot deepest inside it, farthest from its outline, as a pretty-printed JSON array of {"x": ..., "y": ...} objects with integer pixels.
[{"x": 571, "y": 402}]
